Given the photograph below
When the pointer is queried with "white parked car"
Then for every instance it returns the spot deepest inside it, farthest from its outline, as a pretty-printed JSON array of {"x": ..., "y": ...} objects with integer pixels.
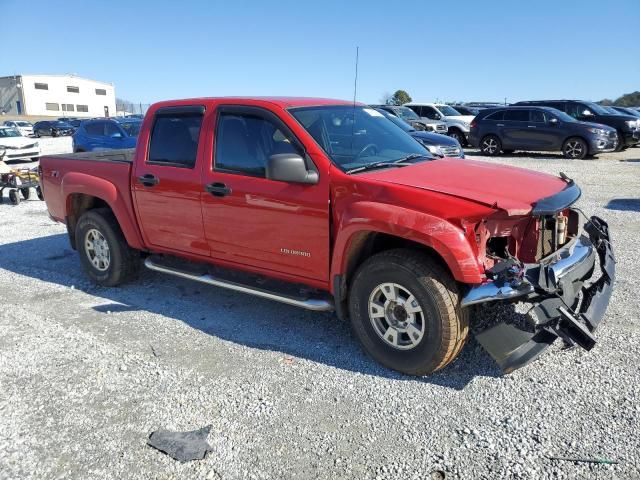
[
  {"x": 16, "y": 146},
  {"x": 458, "y": 125},
  {"x": 25, "y": 128}
]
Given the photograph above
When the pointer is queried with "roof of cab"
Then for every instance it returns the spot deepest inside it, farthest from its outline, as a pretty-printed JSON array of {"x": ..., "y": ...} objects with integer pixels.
[{"x": 283, "y": 102}]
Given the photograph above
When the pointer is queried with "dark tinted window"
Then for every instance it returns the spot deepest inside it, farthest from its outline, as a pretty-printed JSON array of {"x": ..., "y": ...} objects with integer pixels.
[
  {"x": 95, "y": 128},
  {"x": 82, "y": 108},
  {"x": 517, "y": 115},
  {"x": 72, "y": 89},
  {"x": 431, "y": 113},
  {"x": 499, "y": 115},
  {"x": 174, "y": 139},
  {"x": 41, "y": 86},
  {"x": 537, "y": 116},
  {"x": 112, "y": 129},
  {"x": 416, "y": 108},
  {"x": 576, "y": 110},
  {"x": 245, "y": 142},
  {"x": 101, "y": 91}
]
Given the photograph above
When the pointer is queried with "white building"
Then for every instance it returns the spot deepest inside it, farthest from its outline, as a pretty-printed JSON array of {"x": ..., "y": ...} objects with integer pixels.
[{"x": 56, "y": 96}]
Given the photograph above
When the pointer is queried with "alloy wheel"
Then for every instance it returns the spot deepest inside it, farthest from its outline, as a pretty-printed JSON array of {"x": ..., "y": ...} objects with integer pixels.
[
  {"x": 97, "y": 250},
  {"x": 490, "y": 145},
  {"x": 396, "y": 316},
  {"x": 574, "y": 149}
]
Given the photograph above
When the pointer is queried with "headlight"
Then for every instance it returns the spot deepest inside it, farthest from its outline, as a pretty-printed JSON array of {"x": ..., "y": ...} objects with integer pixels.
[
  {"x": 631, "y": 123},
  {"x": 434, "y": 149},
  {"x": 465, "y": 124},
  {"x": 597, "y": 131}
]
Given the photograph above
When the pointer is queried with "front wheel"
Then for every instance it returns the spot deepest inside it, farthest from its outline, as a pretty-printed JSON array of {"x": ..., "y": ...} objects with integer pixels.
[
  {"x": 621, "y": 144},
  {"x": 575, "y": 148},
  {"x": 26, "y": 193},
  {"x": 405, "y": 310},
  {"x": 104, "y": 252},
  {"x": 459, "y": 136}
]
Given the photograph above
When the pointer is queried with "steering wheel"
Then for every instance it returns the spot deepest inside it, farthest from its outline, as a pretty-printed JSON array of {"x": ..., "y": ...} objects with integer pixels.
[{"x": 371, "y": 146}]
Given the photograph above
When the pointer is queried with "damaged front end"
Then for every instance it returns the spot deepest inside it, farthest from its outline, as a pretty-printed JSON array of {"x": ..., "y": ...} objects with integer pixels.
[{"x": 565, "y": 273}]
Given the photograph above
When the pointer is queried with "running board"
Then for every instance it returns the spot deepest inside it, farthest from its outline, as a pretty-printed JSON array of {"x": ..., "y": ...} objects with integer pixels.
[{"x": 315, "y": 304}]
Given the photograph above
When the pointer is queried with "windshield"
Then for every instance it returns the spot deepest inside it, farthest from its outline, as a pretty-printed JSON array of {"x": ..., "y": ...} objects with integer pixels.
[
  {"x": 131, "y": 128},
  {"x": 23, "y": 124},
  {"x": 356, "y": 136},
  {"x": 448, "y": 111},
  {"x": 9, "y": 132},
  {"x": 406, "y": 113},
  {"x": 61, "y": 124},
  {"x": 400, "y": 123},
  {"x": 597, "y": 109}
]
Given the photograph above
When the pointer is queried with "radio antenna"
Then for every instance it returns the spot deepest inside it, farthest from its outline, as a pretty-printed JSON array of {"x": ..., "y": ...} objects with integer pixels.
[{"x": 355, "y": 82}]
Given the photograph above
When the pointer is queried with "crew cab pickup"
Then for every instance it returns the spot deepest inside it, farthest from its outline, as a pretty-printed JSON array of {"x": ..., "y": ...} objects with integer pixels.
[{"x": 327, "y": 205}]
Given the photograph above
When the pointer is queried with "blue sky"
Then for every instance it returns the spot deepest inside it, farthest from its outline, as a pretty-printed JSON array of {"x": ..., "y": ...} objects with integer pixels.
[{"x": 463, "y": 50}]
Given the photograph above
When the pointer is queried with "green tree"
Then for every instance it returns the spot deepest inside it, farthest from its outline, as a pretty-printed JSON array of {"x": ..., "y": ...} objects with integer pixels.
[
  {"x": 400, "y": 97},
  {"x": 626, "y": 100}
]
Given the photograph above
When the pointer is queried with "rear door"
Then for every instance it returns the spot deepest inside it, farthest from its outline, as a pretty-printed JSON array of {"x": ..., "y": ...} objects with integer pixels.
[
  {"x": 166, "y": 183},
  {"x": 251, "y": 220},
  {"x": 515, "y": 132}
]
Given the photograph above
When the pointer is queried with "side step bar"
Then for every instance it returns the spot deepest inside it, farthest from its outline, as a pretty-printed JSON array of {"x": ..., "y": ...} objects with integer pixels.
[{"x": 315, "y": 304}]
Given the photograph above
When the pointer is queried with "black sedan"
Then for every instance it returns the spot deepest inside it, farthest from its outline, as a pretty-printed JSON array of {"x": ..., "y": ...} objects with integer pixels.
[
  {"x": 439, "y": 145},
  {"x": 52, "y": 128}
]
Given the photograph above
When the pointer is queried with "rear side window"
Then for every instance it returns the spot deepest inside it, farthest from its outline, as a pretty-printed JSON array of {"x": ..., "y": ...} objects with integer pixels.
[
  {"x": 112, "y": 129},
  {"x": 499, "y": 115},
  {"x": 244, "y": 143},
  {"x": 517, "y": 115},
  {"x": 174, "y": 138},
  {"x": 431, "y": 113},
  {"x": 96, "y": 128}
]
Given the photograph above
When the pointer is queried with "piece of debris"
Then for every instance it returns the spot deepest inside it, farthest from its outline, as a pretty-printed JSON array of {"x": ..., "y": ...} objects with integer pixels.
[
  {"x": 182, "y": 446},
  {"x": 603, "y": 461},
  {"x": 153, "y": 350}
]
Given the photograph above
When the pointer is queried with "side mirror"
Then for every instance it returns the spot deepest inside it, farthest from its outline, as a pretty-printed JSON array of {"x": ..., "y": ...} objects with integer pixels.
[
  {"x": 290, "y": 167},
  {"x": 553, "y": 121},
  {"x": 116, "y": 135},
  {"x": 586, "y": 112}
]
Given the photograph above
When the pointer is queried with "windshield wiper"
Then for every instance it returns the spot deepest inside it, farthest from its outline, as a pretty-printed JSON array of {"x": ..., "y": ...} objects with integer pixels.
[{"x": 401, "y": 162}]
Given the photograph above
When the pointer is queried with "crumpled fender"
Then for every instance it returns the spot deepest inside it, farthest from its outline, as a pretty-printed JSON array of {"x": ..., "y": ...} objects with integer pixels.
[
  {"x": 81, "y": 183},
  {"x": 439, "y": 234}
]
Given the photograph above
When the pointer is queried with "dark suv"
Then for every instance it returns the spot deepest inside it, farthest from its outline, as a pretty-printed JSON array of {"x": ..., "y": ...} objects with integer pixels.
[
  {"x": 627, "y": 126},
  {"x": 540, "y": 129}
]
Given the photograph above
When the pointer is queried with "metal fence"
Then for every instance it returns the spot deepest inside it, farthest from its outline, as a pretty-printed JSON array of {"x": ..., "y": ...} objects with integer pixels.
[{"x": 126, "y": 108}]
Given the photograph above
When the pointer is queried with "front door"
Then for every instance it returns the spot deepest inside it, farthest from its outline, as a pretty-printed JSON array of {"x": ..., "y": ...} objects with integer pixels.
[
  {"x": 250, "y": 220},
  {"x": 106, "y": 111},
  {"x": 515, "y": 132},
  {"x": 168, "y": 185}
]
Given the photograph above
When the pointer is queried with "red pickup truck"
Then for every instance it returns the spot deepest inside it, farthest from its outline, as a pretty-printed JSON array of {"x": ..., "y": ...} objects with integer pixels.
[{"x": 327, "y": 205}]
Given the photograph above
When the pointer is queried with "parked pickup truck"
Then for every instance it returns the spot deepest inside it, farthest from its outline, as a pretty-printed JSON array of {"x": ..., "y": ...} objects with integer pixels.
[{"x": 325, "y": 205}]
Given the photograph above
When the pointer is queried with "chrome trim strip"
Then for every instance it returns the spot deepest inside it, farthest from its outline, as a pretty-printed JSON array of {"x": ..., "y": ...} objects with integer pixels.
[
  {"x": 490, "y": 292},
  {"x": 569, "y": 258},
  {"x": 317, "y": 305}
]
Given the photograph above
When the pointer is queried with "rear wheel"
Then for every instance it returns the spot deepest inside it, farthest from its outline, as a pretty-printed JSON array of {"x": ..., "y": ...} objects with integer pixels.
[
  {"x": 575, "y": 148},
  {"x": 620, "y": 146},
  {"x": 14, "y": 197},
  {"x": 458, "y": 135},
  {"x": 405, "y": 310},
  {"x": 104, "y": 252},
  {"x": 39, "y": 193},
  {"x": 490, "y": 145},
  {"x": 26, "y": 193}
]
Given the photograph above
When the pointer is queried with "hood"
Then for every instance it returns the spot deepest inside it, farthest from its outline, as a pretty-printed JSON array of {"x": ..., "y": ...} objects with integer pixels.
[
  {"x": 16, "y": 142},
  {"x": 596, "y": 125},
  {"x": 460, "y": 118},
  {"x": 511, "y": 189},
  {"x": 623, "y": 117},
  {"x": 435, "y": 138}
]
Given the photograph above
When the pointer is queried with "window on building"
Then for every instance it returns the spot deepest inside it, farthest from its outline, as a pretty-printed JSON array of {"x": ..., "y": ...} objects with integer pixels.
[
  {"x": 174, "y": 138},
  {"x": 82, "y": 108},
  {"x": 67, "y": 107},
  {"x": 101, "y": 91},
  {"x": 53, "y": 106},
  {"x": 72, "y": 89},
  {"x": 41, "y": 86}
]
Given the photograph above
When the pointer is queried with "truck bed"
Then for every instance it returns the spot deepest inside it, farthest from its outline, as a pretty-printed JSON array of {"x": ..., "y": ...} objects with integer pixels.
[{"x": 125, "y": 155}]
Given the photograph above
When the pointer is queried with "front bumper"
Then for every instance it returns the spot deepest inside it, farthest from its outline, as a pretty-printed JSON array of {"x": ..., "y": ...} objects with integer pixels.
[
  {"x": 631, "y": 137},
  {"x": 603, "y": 144},
  {"x": 19, "y": 154},
  {"x": 568, "y": 300}
]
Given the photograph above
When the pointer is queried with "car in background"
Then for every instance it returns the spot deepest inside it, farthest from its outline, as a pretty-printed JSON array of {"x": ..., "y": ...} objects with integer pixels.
[
  {"x": 414, "y": 120},
  {"x": 25, "y": 128},
  {"x": 52, "y": 128},
  {"x": 627, "y": 126},
  {"x": 16, "y": 146},
  {"x": 438, "y": 145},
  {"x": 464, "y": 110},
  {"x": 626, "y": 111},
  {"x": 105, "y": 134},
  {"x": 533, "y": 128},
  {"x": 457, "y": 124}
]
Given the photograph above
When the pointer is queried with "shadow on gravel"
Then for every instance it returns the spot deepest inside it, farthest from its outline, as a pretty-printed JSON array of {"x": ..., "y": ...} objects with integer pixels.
[
  {"x": 624, "y": 204},
  {"x": 230, "y": 316}
]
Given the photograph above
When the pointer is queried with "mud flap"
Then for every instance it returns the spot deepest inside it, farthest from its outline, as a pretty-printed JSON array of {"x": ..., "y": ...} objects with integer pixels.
[{"x": 512, "y": 347}]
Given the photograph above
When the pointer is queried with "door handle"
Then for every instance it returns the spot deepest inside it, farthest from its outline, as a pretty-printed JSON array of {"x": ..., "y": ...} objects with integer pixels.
[
  {"x": 149, "y": 180},
  {"x": 218, "y": 189},
  {"x": 501, "y": 124},
  {"x": 531, "y": 126}
]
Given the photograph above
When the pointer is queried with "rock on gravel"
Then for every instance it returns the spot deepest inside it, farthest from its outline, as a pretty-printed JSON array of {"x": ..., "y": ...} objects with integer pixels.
[{"x": 86, "y": 373}]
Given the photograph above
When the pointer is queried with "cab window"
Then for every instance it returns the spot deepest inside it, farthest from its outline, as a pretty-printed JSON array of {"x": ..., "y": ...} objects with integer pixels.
[{"x": 174, "y": 137}]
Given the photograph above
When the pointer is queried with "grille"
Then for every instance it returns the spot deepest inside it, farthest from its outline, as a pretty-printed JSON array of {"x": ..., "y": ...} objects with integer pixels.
[
  {"x": 451, "y": 151},
  {"x": 441, "y": 128}
]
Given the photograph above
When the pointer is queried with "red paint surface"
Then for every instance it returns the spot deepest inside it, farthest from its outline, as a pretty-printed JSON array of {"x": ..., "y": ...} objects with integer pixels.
[{"x": 434, "y": 203}]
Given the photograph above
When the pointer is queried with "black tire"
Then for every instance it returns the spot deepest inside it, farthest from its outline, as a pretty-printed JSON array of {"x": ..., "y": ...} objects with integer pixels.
[
  {"x": 54, "y": 133},
  {"x": 14, "y": 197},
  {"x": 445, "y": 327},
  {"x": 507, "y": 151},
  {"x": 490, "y": 145},
  {"x": 458, "y": 135},
  {"x": 39, "y": 193},
  {"x": 124, "y": 262},
  {"x": 37, "y": 134},
  {"x": 26, "y": 193},
  {"x": 575, "y": 148},
  {"x": 621, "y": 145}
]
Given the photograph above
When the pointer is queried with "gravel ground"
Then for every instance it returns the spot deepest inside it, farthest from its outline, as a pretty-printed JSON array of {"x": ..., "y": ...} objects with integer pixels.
[{"x": 86, "y": 373}]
